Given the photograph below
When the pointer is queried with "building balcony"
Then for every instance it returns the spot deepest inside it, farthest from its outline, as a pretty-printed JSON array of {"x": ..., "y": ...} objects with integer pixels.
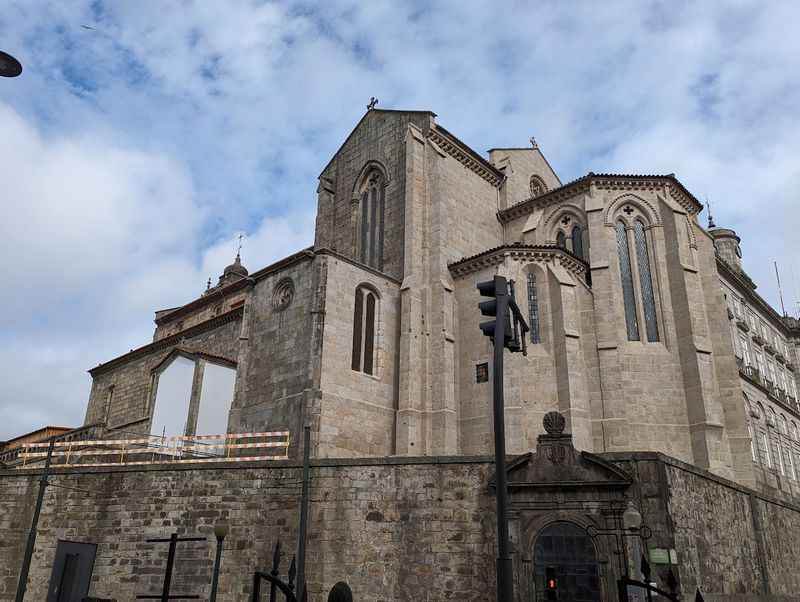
[
  {"x": 780, "y": 358},
  {"x": 730, "y": 314},
  {"x": 790, "y": 366},
  {"x": 758, "y": 339},
  {"x": 750, "y": 372},
  {"x": 769, "y": 349},
  {"x": 743, "y": 325}
]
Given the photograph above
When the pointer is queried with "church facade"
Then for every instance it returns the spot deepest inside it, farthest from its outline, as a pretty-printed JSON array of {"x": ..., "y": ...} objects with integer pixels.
[
  {"x": 646, "y": 333},
  {"x": 658, "y": 384}
]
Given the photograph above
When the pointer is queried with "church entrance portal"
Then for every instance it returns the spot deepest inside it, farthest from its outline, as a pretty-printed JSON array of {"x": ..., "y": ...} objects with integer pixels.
[{"x": 564, "y": 551}]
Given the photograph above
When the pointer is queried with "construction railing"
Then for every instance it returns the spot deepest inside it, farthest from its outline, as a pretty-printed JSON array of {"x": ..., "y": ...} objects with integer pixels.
[{"x": 152, "y": 449}]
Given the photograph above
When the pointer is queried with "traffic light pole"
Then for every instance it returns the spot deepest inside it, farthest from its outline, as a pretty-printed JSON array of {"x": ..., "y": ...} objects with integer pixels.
[{"x": 505, "y": 587}]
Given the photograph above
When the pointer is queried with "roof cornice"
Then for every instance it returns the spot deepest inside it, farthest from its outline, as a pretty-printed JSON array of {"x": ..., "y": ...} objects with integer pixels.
[
  {"x": 606, "y": 181},
  {"x": 517, "y": 251},
  {"x": 561, "y": 193},
  {"x": 462, "y": 153}
]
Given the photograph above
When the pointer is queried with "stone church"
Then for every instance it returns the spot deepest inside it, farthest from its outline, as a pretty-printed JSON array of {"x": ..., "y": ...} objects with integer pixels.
[
  {"x": 371, "y": 335},
  {"x": 675, "y": 379}
]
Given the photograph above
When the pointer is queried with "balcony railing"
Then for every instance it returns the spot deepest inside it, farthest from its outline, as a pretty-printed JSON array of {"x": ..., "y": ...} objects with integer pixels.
[
  {"x": 743, "y": 325},
  {"x": 750, "y": 372}
]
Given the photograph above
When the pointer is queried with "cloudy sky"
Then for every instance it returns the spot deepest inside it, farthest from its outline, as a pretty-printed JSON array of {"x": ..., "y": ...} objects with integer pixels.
[{"x": 144, "y": 136}]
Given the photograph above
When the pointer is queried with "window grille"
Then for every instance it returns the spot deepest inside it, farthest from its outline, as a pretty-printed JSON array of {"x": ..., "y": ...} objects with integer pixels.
[{"x": 533, "y": 308}]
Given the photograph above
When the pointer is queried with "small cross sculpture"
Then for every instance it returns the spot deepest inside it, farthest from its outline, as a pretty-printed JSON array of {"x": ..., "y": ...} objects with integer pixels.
[
  {"x": 628, "y": 210},
  {"x": 372, "y": 102},
  {"x": 533, "y": 142}
]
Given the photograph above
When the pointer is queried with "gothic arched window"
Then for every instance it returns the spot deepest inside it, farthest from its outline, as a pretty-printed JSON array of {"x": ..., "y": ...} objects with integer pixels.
[
  {"x": 561, "y": 240},
  {"x": 372, "y": 200},
  {"x": 364, "y": 322},
  {"x": 646, "y": 281},
  {"x": 626, "y": 275},
  {"x": 577, "y": 241},
  {"x": 533, "y": 308}
]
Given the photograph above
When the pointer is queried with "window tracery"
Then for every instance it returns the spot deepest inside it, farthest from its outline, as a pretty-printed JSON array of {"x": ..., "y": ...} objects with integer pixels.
[
  {"x": 635, "y": 251},
  {"x": 537, "y": 186}
]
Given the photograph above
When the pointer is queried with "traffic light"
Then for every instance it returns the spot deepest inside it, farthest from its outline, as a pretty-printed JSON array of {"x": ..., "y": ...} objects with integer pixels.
[
  {"x": 495, "y": 288},
  {"x": 550, "y": 583}
]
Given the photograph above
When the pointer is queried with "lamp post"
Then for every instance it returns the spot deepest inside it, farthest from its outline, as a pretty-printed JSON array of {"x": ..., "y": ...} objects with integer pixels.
[
  {"x": 9, "y": 66},
  {"x": 220, "y": 531}
]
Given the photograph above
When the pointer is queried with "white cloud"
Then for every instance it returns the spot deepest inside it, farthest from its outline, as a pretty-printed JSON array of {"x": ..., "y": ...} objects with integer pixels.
[{"x": 140, "y": 149}]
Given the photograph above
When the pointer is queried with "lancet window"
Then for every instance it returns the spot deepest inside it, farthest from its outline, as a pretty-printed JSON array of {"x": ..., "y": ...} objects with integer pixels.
[
  {"x": 634, "y": 252},
  {"x": 365, "y": 314},
  {"x": 372, "y": 211},
  {"x": 626, "y": 275}
]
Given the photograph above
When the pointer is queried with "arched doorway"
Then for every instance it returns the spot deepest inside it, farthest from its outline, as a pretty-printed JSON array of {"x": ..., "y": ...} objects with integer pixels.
[{"x": 565, "y": 551}]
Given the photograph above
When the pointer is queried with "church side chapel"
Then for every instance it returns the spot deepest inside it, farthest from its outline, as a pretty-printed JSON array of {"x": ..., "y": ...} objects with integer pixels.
[{"x": 655, "y": 415}]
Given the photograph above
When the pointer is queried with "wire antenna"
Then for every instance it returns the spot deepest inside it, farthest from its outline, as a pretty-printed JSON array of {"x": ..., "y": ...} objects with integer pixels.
[{"x": 780, "y": 290}]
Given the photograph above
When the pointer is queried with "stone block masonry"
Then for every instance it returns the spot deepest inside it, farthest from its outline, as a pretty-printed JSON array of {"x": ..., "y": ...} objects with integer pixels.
[{"x": 394, "y": 528}]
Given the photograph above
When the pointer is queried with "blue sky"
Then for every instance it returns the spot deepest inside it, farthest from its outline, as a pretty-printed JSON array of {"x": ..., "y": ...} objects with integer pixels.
[{"x": 134, "y": 152}]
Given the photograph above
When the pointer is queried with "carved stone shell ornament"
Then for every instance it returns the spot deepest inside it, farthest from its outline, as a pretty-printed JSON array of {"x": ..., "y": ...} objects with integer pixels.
[
  {"x": 283, "y": 294},
  {"x": 554, "y": 423}
]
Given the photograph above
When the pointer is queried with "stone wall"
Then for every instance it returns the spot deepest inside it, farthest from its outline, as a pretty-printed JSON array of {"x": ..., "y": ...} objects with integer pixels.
[
  {"x": 274, "y": 380},
  {"x": 393, "y": 528},
  {"x": 357, "y": 410},
  {"x": 379, "y": 137}
]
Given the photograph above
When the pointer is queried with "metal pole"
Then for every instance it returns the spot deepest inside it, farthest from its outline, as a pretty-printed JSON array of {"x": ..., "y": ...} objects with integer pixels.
[
  {"x": 215, "y": 577},
  {"x": 505, "y": 591},
  {"x": 26, "y": 561},
  {"x": 301, "y": 544},
  {"x": 173, "y": 542}
]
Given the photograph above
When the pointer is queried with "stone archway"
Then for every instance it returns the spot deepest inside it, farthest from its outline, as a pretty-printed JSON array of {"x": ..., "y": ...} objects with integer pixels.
[{"x": 565, "y": 552}]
